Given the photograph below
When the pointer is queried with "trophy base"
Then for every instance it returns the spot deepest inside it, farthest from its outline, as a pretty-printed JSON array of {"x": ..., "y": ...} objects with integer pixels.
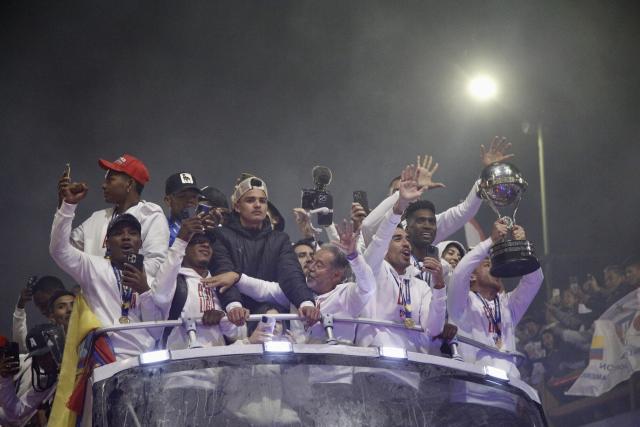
[{"x": 512, "y": 258}]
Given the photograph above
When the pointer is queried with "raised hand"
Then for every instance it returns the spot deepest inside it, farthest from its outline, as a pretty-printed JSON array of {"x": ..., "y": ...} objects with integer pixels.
[
  {"x": 223, "y": 281},
  {"x": 189, "y": 227},
  {"x": 348, "y": 238},
  {"x": 425, "y": 178},
  {"x": 434, "y": 267},
  {"x": 358, "y": 214},
  {"x": 408, "y": 189},
  {"x": 497, "y": 151},
  {"x": 499, "y": 231},
  {"x": 304, "y": 222},
  {"x": 71, "y": 192}
]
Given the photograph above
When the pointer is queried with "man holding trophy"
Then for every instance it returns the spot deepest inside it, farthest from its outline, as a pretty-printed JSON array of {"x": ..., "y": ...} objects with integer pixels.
[{"x": 476, "y": 300}]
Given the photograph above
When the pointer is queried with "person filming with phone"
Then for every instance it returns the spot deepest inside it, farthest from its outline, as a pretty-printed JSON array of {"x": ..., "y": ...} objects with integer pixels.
[{"x": 115, "y": 289}]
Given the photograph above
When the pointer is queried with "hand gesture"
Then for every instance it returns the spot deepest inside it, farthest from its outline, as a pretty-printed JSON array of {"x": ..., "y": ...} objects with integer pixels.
[
  {"x": 518, "y": 233},
  {"x": 409, "y": 189},
  {"x": 426, "y": 173},
  {"x": 134, "y": 278},
  {"x": 311, "y": 315},
  {"x": 8, "y": 367},
  {"x": 212, "y": 317},
  {"x": 238, "y": 315},
  {"x": 304, "y": 222},
  {"x": 26, "y": 295},
  {"x": 348, "y": 238},
  {"x": 71, "y": 192},
  {"x": 497, "y": 151},
  {"x": 223, "y": 281},
  {"x": 434, "y": 267},
  {"x": 358, "y": 214},
  {"x": 260, "y": 337},
  {"x": 210, "y": 220},
  {"x": 189, "y": 227},
  {"x": 499, "y": 231}
]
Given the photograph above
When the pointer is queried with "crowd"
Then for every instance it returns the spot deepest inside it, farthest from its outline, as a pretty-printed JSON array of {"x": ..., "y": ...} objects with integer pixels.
[
  {"x": 557, "y": 342},
  {"x": 220, "y": 261}
]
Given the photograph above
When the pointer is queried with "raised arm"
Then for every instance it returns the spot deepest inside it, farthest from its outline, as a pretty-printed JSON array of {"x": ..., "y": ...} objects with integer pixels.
[
  {"x": 155, "y": 243},
  {"x": 262, "y": 290},
  {"x": 520, "y": 298}
]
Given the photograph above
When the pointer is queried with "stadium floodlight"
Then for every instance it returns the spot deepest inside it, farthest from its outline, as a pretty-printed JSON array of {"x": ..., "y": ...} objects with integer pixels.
[{"x": 482, "y": 88}]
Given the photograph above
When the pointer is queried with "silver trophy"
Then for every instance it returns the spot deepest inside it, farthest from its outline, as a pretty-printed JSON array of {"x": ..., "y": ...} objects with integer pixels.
[{"x": 501, "y": 185}]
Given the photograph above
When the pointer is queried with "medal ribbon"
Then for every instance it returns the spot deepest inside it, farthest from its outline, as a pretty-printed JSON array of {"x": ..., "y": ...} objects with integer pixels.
[
  {"x": 494, "y": 319},
  {"x": 404, "y": 297},
  {"x": 125, "y": 293}
]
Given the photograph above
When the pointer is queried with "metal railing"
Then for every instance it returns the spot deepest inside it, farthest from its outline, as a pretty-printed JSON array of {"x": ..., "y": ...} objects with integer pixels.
[{"x": 190, "y": 324}]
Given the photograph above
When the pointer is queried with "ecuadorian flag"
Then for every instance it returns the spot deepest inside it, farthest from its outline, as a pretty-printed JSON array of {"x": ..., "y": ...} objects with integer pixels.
[
  {"x": 76, "y": 367},
  {"x": 597, "y": 348}
]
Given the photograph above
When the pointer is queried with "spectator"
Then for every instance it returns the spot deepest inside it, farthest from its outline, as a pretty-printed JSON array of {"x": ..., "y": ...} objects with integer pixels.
[
  {"x": 61, "y": 306},
  {"x": 451, "y": 251},
  {"x": 40, "y": 292},
  {"x": 26, "y": 385},
  {"x": 632, "y": 272},
  {"x": 179, "y": 288},
  {"x": 400, "y": 296},
  {"x": 247, "y": 244},
  {"x": 115, "y": 290},
  {"x": 181, "y": 195},
  {"x": 305, "y": 253},
  {"x": 122, "y": 187},
  {"x": 484, "y": 313}
]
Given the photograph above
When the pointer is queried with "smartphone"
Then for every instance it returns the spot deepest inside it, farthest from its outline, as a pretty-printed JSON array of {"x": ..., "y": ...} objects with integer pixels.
[
  {"x": 67, "y": 171},
  {"x": 203, "y": 209},
  {"x": 137, "y": 260},
  {"x": 360, "y": 196},
  {"x": 31, "y": 282},
  {"x": 432, "y": 252},
  {"x": 11, "y": 351}
]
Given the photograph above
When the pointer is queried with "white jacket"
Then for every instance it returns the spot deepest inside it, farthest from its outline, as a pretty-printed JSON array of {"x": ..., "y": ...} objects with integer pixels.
[
  {"x": 90, "y": 236},
  {"x": 467, "y": 312},
  {"x": 428, "y": 305},
  {"x": 199, "y": 299},
  {"x": 345, "y": 300},
  {"x": 99, "y": 286},
  {"x": 447, "y": 222},
  {"x": 19, "y": 328}
]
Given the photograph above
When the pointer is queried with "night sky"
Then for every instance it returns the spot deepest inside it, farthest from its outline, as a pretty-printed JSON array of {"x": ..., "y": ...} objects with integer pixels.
[{"x": 276, "y": 87}]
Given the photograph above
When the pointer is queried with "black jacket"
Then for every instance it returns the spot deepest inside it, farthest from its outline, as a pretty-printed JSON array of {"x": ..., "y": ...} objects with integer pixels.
[{"x": 264, "y": 254}]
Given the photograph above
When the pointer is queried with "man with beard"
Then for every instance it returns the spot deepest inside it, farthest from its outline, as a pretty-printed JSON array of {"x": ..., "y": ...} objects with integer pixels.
[
  {"x": 115, "y": 290},
  {"x": 400, "y": 296},
  {"x": 122, "y": 187},
  {"x": 305, "y": 253},
  {"x": 481, "y": 309},
  {"x": 327, "y": 273},
  {"x": 248, "y": 245}
]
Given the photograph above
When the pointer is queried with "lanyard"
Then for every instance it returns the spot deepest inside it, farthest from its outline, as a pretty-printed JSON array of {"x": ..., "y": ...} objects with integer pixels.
[
  {"x": 125, "y": 296},
  {"x": 404, "y": 300},
  {"x": 494, "y": 319}
]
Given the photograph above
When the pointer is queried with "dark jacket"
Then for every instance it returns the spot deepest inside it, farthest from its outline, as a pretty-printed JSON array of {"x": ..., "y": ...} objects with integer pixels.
[{"x": 264, "y": 254}]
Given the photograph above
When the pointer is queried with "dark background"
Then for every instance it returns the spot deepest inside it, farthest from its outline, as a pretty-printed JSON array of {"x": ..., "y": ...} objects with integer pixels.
[{"x": 276, "y": 87}]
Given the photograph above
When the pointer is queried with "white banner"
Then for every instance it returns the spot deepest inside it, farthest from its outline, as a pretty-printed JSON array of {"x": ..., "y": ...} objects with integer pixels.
[{"x": 615, "y": 349}]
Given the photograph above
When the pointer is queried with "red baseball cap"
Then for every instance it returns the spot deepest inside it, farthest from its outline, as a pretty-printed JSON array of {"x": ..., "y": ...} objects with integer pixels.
[{"x": 128, "y": 164}]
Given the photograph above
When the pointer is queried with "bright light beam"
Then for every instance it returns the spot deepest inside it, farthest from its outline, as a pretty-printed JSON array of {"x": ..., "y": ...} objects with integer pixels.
[{"x": 482, "y": 88}]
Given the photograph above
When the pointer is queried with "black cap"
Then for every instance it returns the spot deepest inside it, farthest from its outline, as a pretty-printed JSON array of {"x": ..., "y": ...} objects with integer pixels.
[
  {"x": 276, "y": 213},
  {"x": 180, "y": 181},
  {"x": 124, "y": 219},
  {"x": 215, "y": 197}
]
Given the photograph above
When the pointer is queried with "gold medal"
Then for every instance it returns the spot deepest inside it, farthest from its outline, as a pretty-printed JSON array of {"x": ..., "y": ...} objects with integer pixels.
[
  {"x": 407, "y": 308},
  {"x": 409, "y": 323},
  {"x": 124, "y": 320}
]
